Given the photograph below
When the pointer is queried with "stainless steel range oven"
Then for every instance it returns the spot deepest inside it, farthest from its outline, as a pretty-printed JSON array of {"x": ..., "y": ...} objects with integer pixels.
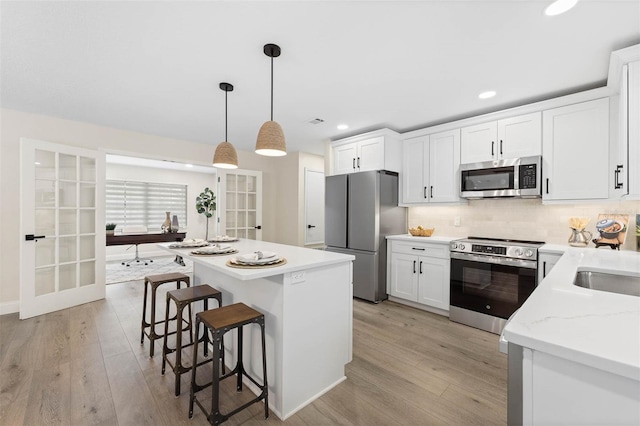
[{"x": 490, "y": 280}]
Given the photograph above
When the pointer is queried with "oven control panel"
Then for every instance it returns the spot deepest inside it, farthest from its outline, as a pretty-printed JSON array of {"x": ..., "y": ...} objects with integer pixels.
[{"x": 491, "y": 248}]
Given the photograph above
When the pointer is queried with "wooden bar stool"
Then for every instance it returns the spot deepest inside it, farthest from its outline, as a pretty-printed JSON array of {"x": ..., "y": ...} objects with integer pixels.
[
  {"x": 219, "y": 321},
  {"x": 185, "y": 297},
  {"x": 154, "y": 281}
]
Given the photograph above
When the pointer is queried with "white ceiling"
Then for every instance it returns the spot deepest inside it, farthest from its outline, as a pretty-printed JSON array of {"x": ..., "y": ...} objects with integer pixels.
[{"x": 155, "y": 66}]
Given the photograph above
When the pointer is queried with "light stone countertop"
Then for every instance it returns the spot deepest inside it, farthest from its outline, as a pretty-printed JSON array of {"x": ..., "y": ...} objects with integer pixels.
[
  {"x": 595, "y": 328},
  {"x": 437, "y": 239},
  {"x": 298, "y": 258}
]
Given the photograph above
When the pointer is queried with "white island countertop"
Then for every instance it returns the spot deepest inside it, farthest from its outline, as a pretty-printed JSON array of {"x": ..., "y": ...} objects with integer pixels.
[
  {"x": 595, "y": 328},
  {"x": 298, "y": 258}
]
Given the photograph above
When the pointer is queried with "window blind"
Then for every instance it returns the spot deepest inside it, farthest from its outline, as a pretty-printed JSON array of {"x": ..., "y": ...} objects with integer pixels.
[{"x": 144, "y": 203}]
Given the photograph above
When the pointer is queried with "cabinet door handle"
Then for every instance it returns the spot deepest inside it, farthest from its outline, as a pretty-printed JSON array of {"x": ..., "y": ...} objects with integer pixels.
[
  {"x": 547, "y": 185},
  {"x": 500, "y": 146},
  {"x": 424, "y": 192},
  {"x": 431, "y": 191},
  {"x": 310, "y": 226},
  {"x": 358, "y": 162},
  {"x": 492, "y": 144},
  {"x": 354, "y": 163},
  {"x": 544, "y": 269},
  {"x": 616, "y": 176},
  {"x": 416, "y": 248},
  {"x": 421, "y": 266},
  {"x": 414, "y": 266}
]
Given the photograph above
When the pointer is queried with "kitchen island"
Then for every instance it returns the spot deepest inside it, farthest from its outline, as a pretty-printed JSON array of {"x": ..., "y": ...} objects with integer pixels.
[
  {"x": 308, "y": 310},
  {"x": 581, "y": 347}
]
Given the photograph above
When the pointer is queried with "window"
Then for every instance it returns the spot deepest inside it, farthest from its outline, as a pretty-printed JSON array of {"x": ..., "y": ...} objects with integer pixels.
[{"x": 144, "y": 203}]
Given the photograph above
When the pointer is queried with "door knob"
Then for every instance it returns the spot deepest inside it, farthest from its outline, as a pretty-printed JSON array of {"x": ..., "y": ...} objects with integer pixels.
[
  {"x": 258, "y": 227},
  {"x": 310, "y": 226},
  {"x": 31, "y": 237}
]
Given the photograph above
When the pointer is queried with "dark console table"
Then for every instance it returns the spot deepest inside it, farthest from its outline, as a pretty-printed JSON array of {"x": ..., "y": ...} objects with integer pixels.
[{"x": 146, "y": 238}]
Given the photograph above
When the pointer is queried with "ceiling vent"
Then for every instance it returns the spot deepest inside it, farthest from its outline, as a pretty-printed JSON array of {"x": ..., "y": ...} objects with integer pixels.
[{"x": 316, "y": 121}]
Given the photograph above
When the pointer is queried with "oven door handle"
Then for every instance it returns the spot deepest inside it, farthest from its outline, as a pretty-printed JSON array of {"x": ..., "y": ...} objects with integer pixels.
[{"x": 519, "y": 263}]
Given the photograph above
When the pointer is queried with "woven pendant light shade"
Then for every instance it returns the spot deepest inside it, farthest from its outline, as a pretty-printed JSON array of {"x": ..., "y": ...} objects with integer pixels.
[
  {"x": 225, "y": 156},
  {"x": 270, "y": 140}
]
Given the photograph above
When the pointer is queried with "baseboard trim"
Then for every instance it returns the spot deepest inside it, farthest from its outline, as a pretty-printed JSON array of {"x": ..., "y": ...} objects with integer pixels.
[{"x": 9, "y": 307}]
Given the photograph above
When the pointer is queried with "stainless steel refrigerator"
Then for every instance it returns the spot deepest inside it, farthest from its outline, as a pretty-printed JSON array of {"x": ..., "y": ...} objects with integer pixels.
[{"x": 361, "y": 209}]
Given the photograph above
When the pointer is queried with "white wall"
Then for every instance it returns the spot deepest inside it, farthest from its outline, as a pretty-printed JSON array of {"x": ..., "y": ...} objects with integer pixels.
[
  {"x": 16, "y": 124},
  {"x": 519, "y": 219},
  {"x": 196, "y": 182}
]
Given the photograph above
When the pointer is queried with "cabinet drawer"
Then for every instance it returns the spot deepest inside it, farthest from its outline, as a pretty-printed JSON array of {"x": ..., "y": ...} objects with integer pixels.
[{"x": 421, "y": 249}]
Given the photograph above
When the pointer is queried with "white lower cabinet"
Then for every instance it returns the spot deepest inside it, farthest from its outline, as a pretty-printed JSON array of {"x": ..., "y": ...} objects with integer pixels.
[
  {"x": 419, "y": 272},
  {"x": 546, "y": 262},
  {"x": 565, "y": 392}
]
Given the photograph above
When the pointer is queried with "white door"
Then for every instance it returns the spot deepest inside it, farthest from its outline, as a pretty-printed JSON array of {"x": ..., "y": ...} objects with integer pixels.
[
  {"x": 62, "y": 248},
  {"x": 240, "y": 203},
  {"x": 313, "y": 206}
]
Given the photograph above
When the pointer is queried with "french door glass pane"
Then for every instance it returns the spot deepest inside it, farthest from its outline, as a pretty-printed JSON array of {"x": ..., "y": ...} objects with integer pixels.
[
  {"x": 242, "y": 220},
  {"x": 67, "y": 168},
  {"x": 231, "y": 182},
  {"x": 45, "y": 280},
  {"x": 68, "y": 276},
  {"x": 87, "y": 195},
  {"x": 251, "y": 219},
  {"x": 67, "y": 222},
  {"x": 45, "y": 165},
  {"x": 87, "y": 169},
  {"x": 45, "y": 193},
  {"x": 251, "y": 201},
  {"x": 231, "y": 201},
  {"x": 251, "y": 233},
  {"x": 67, "y": 251},
  {"x": 242, "y": 233},
  {"x": 231, "y": 219},
  {"x": 67, "y": 192},
  {"x": 242, "y": 201},
  {"x": 87, "y": 273},
  {"x": 87, "y": 221},
  {"x": 87, "y": 247},
  {"x": 45, "y": 251},
  {"x": 242, "y": 183},
  {"x": 251, "y": 183},
  {"x": 45, "y": 222}
]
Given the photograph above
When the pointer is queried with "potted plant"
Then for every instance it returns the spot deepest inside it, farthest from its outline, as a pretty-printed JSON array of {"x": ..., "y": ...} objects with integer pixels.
[
  {"x": 110, "y": 228},
  {"x": 206, "y": 205}
]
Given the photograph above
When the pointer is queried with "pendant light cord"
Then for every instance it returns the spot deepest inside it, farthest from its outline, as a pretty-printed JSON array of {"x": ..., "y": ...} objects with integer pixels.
[
  {"x": 271, "y": 88},
  {"x": 226, "y": 139}
]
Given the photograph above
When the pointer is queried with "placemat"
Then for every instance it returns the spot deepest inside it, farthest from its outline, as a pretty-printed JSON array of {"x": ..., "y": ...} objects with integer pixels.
[
  {"x": 273, "y": 265},
  {"x": 214, "y": 254}
]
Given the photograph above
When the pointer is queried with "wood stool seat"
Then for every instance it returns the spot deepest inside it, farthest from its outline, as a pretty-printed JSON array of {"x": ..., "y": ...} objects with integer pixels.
[
  {"x": 154, "y": 281},
  {"x": 219, "y": 321},
  {"x": 182, "y": 298}
]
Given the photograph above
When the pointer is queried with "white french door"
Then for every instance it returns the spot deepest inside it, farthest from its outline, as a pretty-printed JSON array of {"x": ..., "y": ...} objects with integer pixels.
[
  {"x": 62, "y": 247},
  {"x": 240, "y": 203}
]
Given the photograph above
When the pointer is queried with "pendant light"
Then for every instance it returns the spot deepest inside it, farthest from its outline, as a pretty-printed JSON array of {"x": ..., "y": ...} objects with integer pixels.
[
  {"x": 225, "y": 156},
  {"x": 270, "y": 140}
]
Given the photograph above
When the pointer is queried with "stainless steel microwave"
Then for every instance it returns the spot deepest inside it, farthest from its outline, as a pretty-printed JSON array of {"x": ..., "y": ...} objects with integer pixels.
[{"x": 517, "y": 177}]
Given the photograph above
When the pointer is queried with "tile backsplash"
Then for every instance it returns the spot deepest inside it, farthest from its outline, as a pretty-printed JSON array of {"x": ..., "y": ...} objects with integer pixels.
[{"x": 524, "y": 219}]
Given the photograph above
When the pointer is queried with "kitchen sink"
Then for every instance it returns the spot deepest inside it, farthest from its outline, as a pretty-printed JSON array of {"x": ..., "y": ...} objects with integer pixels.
[{"x": 613, "y": 282}]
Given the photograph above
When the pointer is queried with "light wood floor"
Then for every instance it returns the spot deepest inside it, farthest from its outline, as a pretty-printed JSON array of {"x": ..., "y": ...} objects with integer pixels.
[{"x": 85, "y": 365}]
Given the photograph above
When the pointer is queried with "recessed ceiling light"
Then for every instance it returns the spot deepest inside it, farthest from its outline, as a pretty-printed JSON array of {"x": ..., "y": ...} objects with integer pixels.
[
  {"x": 342, "y": 127},
  {"x": 37, "y": 163},
  {"x": 487, "y": 95},
  {"x": 559, "y": 6}
]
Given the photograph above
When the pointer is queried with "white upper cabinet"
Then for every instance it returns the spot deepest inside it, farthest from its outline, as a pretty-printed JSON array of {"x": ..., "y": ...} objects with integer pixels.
[
  {"x": 575, "y": 151},
  {"x": 379, "y": 150},
  {"x": 513, "y": 137},
  {"x": 430, "y": 168}
]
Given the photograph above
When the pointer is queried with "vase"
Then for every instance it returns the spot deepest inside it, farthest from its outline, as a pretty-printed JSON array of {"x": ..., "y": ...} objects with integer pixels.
[
  {"x": 174, "y": 224},
  {"x": 166, "y": 225}
]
